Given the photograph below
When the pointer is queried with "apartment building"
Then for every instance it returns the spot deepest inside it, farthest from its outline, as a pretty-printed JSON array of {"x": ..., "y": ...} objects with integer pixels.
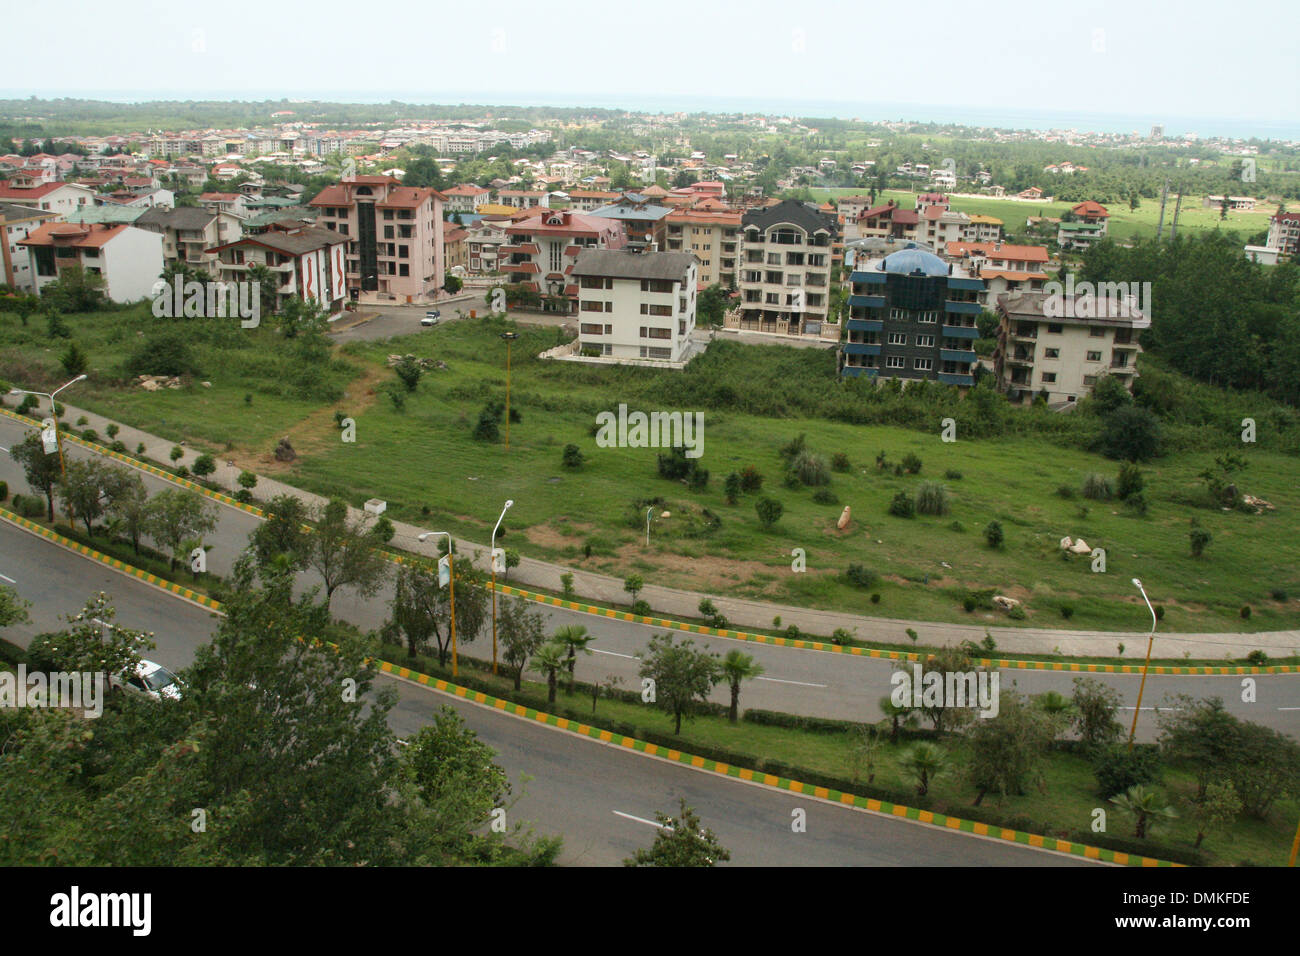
[
  {"x": 643, "y": 221},
  {"x": 984, "y": 229},
  {"x": 544, "y": 247},
  {"x": 886, "y": 221},
  {"x": 912, "y": 316},
  {"x": 455, "y": 249},
  {"x": 523, "y": 198},
  {"x": 636, "y": 305},
  {"x": 308, "y": 261},
  {"x": 1235, "y": 203},
  {"x": 711, "y": 231},
  {"x": 189, "y": 232},
  {"x": 585, "y": 200},
  {"x": 786, "y": 269},
  {"x": 466, "y": 198},
  {"x": 483, "y": 242},
  {"x": 1079, "y": 235},
  {"x": 1091, "y": 212},
  {"x": 236, "y": 204},
  {"x": 16, "y": 224},
  {"x": 1062, "y": 356},
  {"x": 49, "y": 197},
  {"x": 1283, "y": 234},
  {"x": 394, "y": 235},
  {"x": 1004, "y": 267},
  {"x": 128, "y": 259}
]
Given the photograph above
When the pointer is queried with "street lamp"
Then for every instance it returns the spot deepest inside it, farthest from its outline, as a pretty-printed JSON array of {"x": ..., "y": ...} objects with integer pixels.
[
  {"x": 54, "y": 412},
  {"x": 1141, "y": 687},
  {"x": 509, "y": 337},
  {"x": 451, "y": 581},
  {"x": 648, "y": 512},
  {"x": 509, "y": 504}
]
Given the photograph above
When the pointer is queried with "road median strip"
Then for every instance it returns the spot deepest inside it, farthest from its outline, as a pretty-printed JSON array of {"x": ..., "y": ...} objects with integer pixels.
[
  {"x": 797, "y": 643},
  {"x": 674, "y": 755}
]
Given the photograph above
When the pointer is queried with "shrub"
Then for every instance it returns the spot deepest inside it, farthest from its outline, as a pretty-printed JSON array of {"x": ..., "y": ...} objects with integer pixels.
[
  {"x": 794, "y": 448},
  {"x": 911, "y": 632},
  {"x": 641, "y": 607},
  {"x": 769, "y": 511},
  {"x": 932, "y": 498},
  {"x": 968, "y": 604},
  {"x": 572, "y": 457},
  {"x": 707, "y": 608},
  {"x": 958, "y": 527},
  {"x": 841, "y": 636},
  {"x": 911, "y": 464},
  {"x": 166, "y": 353},
  {"x": 1277, "y": 594},
  {"x": 1257, "y": 657},
  {"x": 112, "y": 429},
  {"x": 824, "y": 496},
  {"x": 1245, "y": 612},
  {"x": 1065, "y": 491},
  {"x": 566, "y": 585},
  {"x": 1117, "y": 768},
  {"x": 791, "y": 480},
  {"x": 1199, "y": 539},
  {"x": 139, "y": 449},
  {"x": 792, "y": 632},
  {"x": 902, "y": 506},
  {"x": 731, "y": 488},
  {"x": 1160, "y": 612},
  {"x": 182, "y": 471},
  {"x": 32, "y": 506},
  {"x": 1130, "y": 480},
  {"x": 751, "y": 480},
  {"x": 1017, "y": 613},
  {"x": 698, "y": 480},
  {"x": 486, "y": 429},
  {"x": 861, "y": 575},
  {"x": 811, "y": 469},
  {"x": 204, "y": 465},
  {"x": 244, "y": 496},
  {"x": 82, "y": 420},
  {"x": 1067, "y": 611},
  {"x": 1097, "y": 487},
  {"x": 993, "y": 534},
  {"x": 177, "y": 453},
  {"x": 4, "y": 490},
  {"x": 1131, "y": 434},
  {"x": 776, "y": 622},
  {"x": 90, "y": 435},
  {"x": 875, "y": 597},
  {"x": 118, "y": 446},
  {"x": 1136, "y": 503},
  {"x": 952, "y": 474},
  {"x": 840, "y": 462}
]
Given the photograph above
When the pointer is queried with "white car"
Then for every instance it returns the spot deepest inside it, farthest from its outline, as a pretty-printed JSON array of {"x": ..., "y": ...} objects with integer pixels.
[
  {"x": 150, "y": 680},
  {"x": 431, "y": 317}
]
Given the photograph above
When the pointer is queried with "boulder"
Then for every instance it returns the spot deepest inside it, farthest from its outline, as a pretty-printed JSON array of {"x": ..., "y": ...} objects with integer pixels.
[
  {"x": 844, "y": 518},
  {"x": 284, "y": 451},
  {"x": 1004, "y": 603},
  {"x": 1080, "y": 547},
  {"x": 1066, "y": 542}
]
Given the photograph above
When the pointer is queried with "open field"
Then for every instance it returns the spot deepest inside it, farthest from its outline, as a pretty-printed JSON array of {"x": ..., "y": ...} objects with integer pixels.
[
  {"x": 425, "y": 456},
  {"x": 1124, "y": 224}
]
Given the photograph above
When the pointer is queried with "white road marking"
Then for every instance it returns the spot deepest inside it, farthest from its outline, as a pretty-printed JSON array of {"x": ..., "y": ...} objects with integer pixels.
[
  {"x": 1280, "y": 708},
  {"x": 631, "y": 657},
  {"x": 9, "y": 579},
  {"x": 652, "y": 823},
  {"x": 1153, "y": 708},
  {"x": 777, "y": 680},
  {"x": 2, "y": 448}
]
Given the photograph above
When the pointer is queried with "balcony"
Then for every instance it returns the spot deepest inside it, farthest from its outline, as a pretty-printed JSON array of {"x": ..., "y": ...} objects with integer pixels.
[
  {"x": 860, "y": 348},
  {"x": 865, "y": 325},
  {"x": 853, "y": 371},
  {"x": 962, "y": 308},
  {"x": 949, "y": 378},
  {"x": 956, "y": 355},
  {"x": 961, "y": 332},
  {"x": 866, "y": 301},
  {"x": 1025, "y": 336}
]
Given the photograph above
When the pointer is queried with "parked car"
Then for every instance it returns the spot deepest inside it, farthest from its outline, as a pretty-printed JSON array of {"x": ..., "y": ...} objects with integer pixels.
[
  {"x": 150, "y": 680},
  {"x": 431, "y": 317}
]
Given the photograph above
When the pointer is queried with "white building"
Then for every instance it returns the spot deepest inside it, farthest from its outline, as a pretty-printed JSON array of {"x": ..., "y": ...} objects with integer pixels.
[
  {"x": 636, "y": 305},
  {"x": 129, "y": 259},
  {"x": 50, "y": 197},
  {"x": 16, "y": 224}
]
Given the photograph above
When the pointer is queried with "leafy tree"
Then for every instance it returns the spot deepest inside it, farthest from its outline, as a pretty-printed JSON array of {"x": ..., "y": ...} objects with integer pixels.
[
  {"x": 732, "y": 488},
  {"x": 74, "y": 359},
  {"x": 452, "y": 284},
  {"x": 683, "y": 676},
  {"x": 1095, "y": 707},
  {"x": 573, "y": 638},
  {"x": 92, "y": 643},
  {"x": 993, "y": 534},
  {"x": 1132, "y": 434},
  {"x": 573, "y": 457},
  {"x": 300, "y": 316},
  {"x": 409, "y": 371},
  {"x": 204, "y": 465},
  {"x": 41, "y": 470},
  {"x": 549, "y": 660},
  {"x": 1006, "y": 751},
  {"x": 13, "y": 609},
  {"x": 282, "y": 534},
  {"x": 521, "y": 631},
  {"x": 75, "y": 290},
  {"x": 1199, "y": 538},
  {"x": 128, "y": 508},
  {"x": 1146, "y": 807},
  {"x": 633, "y": 585},
  {"x": 769, "y": 511},
  {"x": 1215, "y": 810},
  {"x": 899, "y": 716},
  {"x": 923, "y": 763},
  {"x": 175, "y": 516},
  {"x": 343, "y": 553},
  {"x": 681, "y": 842},
  {"x": 736, "y": 667},
  {"x": 1266, "y": 768},
  {"x": 87, "y": 488},
  {"x": 947, "y": 660}
]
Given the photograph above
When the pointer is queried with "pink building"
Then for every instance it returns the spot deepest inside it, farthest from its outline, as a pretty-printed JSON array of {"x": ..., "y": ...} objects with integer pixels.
[{"x": 544, "y": 248}]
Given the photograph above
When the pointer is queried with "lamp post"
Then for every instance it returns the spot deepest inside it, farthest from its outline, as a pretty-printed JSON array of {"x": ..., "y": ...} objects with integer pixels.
[
  {"x": 509, "y": 337},
  {"x": 54, "y": 413},
  {"x": 648, "y": 512},
  {"x": 451, "y": 582},
  {"x": 1142, "y": 686},
  {"x": 509, "y": 504}
]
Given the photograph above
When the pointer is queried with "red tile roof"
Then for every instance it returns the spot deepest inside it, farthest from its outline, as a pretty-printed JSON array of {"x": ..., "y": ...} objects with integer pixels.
[
  {"x": 67, "y": 234},
  {"x": 28, "y": 192},
  {"x": 1090, "y": 208},
  {"x": 993, "y": 250}
]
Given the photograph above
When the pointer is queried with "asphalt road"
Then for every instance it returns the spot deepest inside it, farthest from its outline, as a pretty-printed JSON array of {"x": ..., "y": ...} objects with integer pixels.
[
  {"x": 598, "y": 797},
  {"x": 815, "y": 683}
]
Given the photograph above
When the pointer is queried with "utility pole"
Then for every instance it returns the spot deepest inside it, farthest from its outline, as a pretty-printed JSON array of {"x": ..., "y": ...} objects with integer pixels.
[
  {"x": 1164, "y": 195},
  {"x": 1179, "y": 205}
]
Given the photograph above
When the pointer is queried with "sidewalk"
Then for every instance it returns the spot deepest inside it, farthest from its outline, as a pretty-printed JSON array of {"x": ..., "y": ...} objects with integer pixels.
[{"x": 750, "y": 614}]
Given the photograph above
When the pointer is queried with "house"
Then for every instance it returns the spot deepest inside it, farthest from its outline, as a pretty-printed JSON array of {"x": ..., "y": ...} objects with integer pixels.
[
  {"x": 888, "y": 221},
  {"x": 1033, "y": 192},
  {"x": 50, "y": 197},
  {"x": 455, "y": 249},
  {"x": 1079, "y": 235},
  {"x": 466, "y": 197},
  {"x": 1283, "y": 234},
  {"x": 710, "y": 230},
  {"x": 1091, "y": 212},
  {"x": 636, "y": 306},
  {"x": 188, "y": 232},
  {"x": 16, "y": 224},
  {"x": 394, "y": 235},
  {"x": 544, "y": 246},
  {"x": 1235, "y": 203},
  {"x": 1062, "y": 349},
  {"x": 523, "y": 198},
  {"x": 643, "y": 221},
  {"x": 127, "y": 258},
  {"x": 983, "y": 229},
  {"x": 236, "y": 204},
  {"x": 911, "y": 316},
  {"x": 1003, "y": 267},
  {"x": 483, "y": 243},
  {"x": 308, "y": 262},
  {"x": 785, "y": 271},
  {"x": 585, "y": 200}
]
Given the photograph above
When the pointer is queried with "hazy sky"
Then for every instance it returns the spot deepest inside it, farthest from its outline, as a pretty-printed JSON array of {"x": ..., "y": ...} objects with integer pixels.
[{"x": 1192, "y": 58}]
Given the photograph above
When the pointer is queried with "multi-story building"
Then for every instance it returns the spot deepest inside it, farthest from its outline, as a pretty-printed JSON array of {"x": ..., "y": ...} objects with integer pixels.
[
  {"x": 189, "y": 232},
  {"x": 1060, "y": 346},
  {"x": 544, "y": 247},
  {"x": 308, "y": 262},
  {"x": 711, "y": 231},
  {"x": 642, "y": 220},
  {"x": 394, "y": 233},
  {"x": 785, "y": 269},
  {"x": 236, "y": 204},
  {"x": 1079, "y": 235},
  {"x": 16, "y": 224},
  {"x": 1284, "y": 234},
  {"x": 912, "y": 316},
  {"x": 983, "y": 229},
  {"x": 466, "y": 197},
  {"x": 50, "y": 197},
  {"x": 585, "y": 200},
  {"x": 455, "y": 248},
  {"x": 1091, "y": 212},
  {"x": 636, "y": 306},
  {"x": 523, "y": 198},
  {"x": 887, "y": 221},
  {"x": 1003, "y": 267},
  {"x": 485, "y": 238},
  {"x": 128, "y": 259}
]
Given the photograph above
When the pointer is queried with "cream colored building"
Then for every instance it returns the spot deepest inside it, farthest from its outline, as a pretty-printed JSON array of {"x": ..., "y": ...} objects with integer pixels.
[
  {"x": 636, "y": 305},
  {"x": 711, "y": 231},
  {"x": 785, "y": 270}
]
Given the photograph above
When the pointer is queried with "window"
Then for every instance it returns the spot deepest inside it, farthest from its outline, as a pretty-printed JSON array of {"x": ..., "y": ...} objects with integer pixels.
[
  {"x": 656, "y": 309},
  {"x": 927, "y": 317},
  {"x": 1094, "y": 356},
  {"x": 656, "y": 285},
  {"x": 1049, "y": 378},
  {"x": 388, "y": 232},
  {"x": 1054, "y": 328},
  {"x": 1096, "y": 331},
  {"x": 925, "y": 341},
  {"x": 588, "y": 328},
  {"x": 609, "y": 329},
  {"x": 897, "y": 338},
  {"x": 923, "y": 364},
  {"x": 895, "y": 361},
  {"x": 589, "y": 306},
  {"x": 1052, "y": 353},
  {"x": 650, "y": 332},
  {"x": 593, "y": 282}
]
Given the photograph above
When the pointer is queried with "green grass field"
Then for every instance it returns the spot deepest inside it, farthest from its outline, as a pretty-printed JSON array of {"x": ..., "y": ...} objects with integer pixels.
[
  {"x": 424, "y": 457},
  {"x": 1124, "y": 224}
]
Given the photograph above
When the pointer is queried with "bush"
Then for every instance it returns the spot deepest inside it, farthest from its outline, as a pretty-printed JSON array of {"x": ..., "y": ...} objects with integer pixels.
[
  {"x": 1117, "y": 768},
  {"x": 968, "y": 604},
  {"x": 641, "y": 607},
  {"x": 841, "y": 636},
  {"x": 1278, "y": 594},
  {"x": 840, "y": 462},
  {"x": 698, "y": 480},
  {"x": 486, "y": 429},
  {"x": 769, "y": 511},
  {"x": 952, "y": 474},
  {"x": 1257, "y": 657},
  {"x": 566, "y": 585},
  {"x": 90, "y": 435},
  {"x": 31, "y": 506},
  {"x": 1098, "y": 487},
  {"x": 177, "y": 453},
  {"x": 751, "y": 480},
  {"x": 244, "y": 496},
  {"x": 1245, "y": 612},
  {"x": 164, "y": 353},
  {"x": 707, "y": 608},
  {"x": 932, "y": 498},
  {"x": 861, "y": 575},
  {"x": 1131, "y": 433},
  {"x": 82, "y": 420},
  {"x": 1160, "y": 612},
  {"x": 1199, "y": 539},
  {"x": 139, "y": 449},
  {"x": 1130, "y": 480},
  {"x": 875, "y": 597},
  {"x": 790, "y": 480},
  {"x": 902, "y": 506},
  {"x": 1136, "y": 503},
  {"x": 993, "y": 534},
  {"x": 824, "y": 496},
  {"x": 1065, "y": 491},
  {"x": 958, "y": 527},
  {"x": 4, "y": 490},
  {"x": 811, "y": 469},
  {"x": 1067, "y": 611},
  {"x": 731, "y": 488},
  {"x": 118, "y": 446},
  {"x": 1017, "y": 613},
  {"x": 794, "y": 448},
  {"x": 572, "y": 457},
  {"x": 911, "y": 464},
  {"x": 204, "y": 465},
  {"x": 793, "y": 633}
]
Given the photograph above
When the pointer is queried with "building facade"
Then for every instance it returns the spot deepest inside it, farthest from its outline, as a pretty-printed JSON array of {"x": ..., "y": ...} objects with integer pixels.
[
  {"x": 785, "y": 269},
  {"x": 544, "y": 247},
  {"x": 16, "y": 224},
  {"x": 636, "y": 305},
  {"x": 308, "y": 262},
  {"x": 712, "y": 232},
  {"x": 129, "y": 260}
]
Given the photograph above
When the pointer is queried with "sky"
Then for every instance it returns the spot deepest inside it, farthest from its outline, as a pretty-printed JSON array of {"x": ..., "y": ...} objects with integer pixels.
[{"x": 1194, "y": 58}]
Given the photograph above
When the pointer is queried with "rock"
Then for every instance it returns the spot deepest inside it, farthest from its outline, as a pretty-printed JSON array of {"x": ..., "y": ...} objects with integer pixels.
[
  {"x": 150, "y": 385},
  {"x": 1004, "y": 603},
  {"x": 1066, "y": 542},
  {"x": 1259, "y": 504},
  {"x": 206, "y": 384},
  {"x": 1080, "y": 547},
  {"x": 284, "y": 451},
  {"x": 666, "y": 514},
  {"x": 844, "y": 518},
  {"x": 946, "y": 564}
]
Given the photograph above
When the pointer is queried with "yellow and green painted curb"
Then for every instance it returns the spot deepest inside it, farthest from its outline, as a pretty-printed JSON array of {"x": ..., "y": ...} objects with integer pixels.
[
  {"x": 800, "y": 643},
  {"x": 653, "y": 750}
]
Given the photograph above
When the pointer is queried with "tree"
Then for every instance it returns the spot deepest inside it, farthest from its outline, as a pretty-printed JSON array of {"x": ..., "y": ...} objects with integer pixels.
[
  {"x": 521, "y": 631},
  {"x": 41, "y": 470},
  {"x": 683, "y": 676},
  {"x": 1131, "y": 433},
  {"x": 1215, "y": 809},
  {"x": 204, "y": 465},
  {"x": 633, "y": 584},
  {"x": 175, "y": 516},
  {"x": 993, "y": 534},
  {"x": 452, "y": 284},
  {"x": 87, "y": 487},
  {"x": 75, "y": 290},
  {"x": 409, "y": 371},
  {"x": 732, "y": 488},
  {"x": 129, "y": 508},
  {"x": 549, "y": 660},
  {"x": 923, "y": 763},
  {"x": 769, "y": 511},
  {"x": 422, "y": 610},
  {"x": 1006, "y": 750},
  {"x": 681, "y": 842},
  {"x": 573, "y": 638},
  {"x": 92, "y": 643},
  {"x": 1146, "y": 807},
  {"x": 74, "y": 359},
  {"x": 1266, "y": 768},
  {"x": 13, "y": 609},
  {"x": 711, "y": 305},
  {"x": 512, "y": 560},
  {"x": 304, "y": 317},
  {"x": 737, "y": 667},
  {"x": 343, "y": 553},
  {"x": 572, "y": 457},
  {"x": 899, "y": 716},
  {"x": 282, "y": 534},
  {"x": 1095, "y": 707},
  {"x": 946, "y": 661}
]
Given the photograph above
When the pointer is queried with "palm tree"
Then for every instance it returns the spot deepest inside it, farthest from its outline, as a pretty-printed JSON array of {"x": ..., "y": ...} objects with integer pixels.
[
  {"x": 549, "y": 660},
  {"x": 898, "y": 717},
  {"x": 737, "y": 667},
  {"x": 1147, "y": 808},
  {"x": 574, "y": 638},
  {"x": 924, "y": 763}
]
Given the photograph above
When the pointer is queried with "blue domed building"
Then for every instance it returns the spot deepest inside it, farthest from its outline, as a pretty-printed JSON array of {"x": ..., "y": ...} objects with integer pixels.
[{"x": 912, "y": 316}]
